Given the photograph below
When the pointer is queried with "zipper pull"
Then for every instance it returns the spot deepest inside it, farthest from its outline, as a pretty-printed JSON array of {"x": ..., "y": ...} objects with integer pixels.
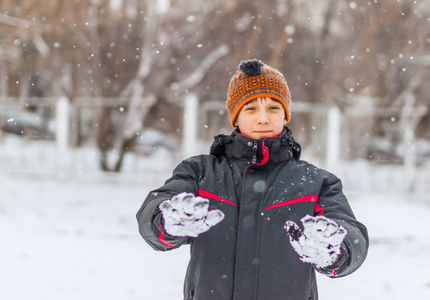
[{"x": 254, "y": 157}]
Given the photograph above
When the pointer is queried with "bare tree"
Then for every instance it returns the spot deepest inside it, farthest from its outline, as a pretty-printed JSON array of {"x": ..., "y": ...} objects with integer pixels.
[
  {"x": 143, "y": 58},
  {"x": 154, "y": 78}
]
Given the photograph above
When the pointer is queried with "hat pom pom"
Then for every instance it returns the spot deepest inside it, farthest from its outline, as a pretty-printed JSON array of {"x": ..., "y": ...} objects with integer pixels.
[{"x": 251, "y": 67}]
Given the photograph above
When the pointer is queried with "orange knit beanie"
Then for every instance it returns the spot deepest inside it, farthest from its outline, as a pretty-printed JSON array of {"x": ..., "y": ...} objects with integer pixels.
[{"x": 253, "y": 80}]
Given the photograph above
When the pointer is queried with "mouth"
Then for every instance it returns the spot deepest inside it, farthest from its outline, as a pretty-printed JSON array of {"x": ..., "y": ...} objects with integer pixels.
[{"x": 263, "y": 131}]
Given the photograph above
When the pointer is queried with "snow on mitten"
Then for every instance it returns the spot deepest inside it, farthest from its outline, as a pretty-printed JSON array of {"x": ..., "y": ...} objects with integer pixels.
[
  {"x": 319, "y": 243},
  {"x": 188, "y": 215}
]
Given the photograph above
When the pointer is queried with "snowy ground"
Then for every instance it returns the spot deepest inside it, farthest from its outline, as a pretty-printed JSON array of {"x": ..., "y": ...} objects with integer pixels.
[{"x": 78, "y": 240}]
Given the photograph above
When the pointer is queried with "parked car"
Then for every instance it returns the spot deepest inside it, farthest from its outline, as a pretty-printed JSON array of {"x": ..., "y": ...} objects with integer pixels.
[
  {"x": 152, "y": 140},
  {"x": 384, "y": 151},
  {"x": 25, "y": 123}
]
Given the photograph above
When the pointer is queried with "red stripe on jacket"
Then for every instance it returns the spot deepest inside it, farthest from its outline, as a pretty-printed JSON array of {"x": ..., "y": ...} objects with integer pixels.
[
  {"x": 162, "y": 240},
  {"x": 309, "y": 198},
  {"x": 207, "y": 194}
]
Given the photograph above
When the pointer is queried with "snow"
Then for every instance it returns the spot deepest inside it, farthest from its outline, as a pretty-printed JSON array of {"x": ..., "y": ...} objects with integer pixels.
[
  {"x": 399, "y": 253},
  {"x": 187, "y": 215},
  {"x": 320, "y": 242},
  {"x": 78, "y": 238}
]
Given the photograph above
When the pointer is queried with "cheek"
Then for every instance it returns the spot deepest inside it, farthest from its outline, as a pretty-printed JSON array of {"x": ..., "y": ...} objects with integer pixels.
[
  {"x": 280, "y": 120},
  {"x": 243, "y": 123},
  {"x": 246, "y": 124}
]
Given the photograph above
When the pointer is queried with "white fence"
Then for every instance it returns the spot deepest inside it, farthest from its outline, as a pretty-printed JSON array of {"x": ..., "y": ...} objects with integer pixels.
[{"x": 55, "y": 158}]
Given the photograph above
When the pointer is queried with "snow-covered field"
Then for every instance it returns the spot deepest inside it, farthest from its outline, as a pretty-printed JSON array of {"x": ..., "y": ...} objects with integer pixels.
[{"x": 78, "y": 239}]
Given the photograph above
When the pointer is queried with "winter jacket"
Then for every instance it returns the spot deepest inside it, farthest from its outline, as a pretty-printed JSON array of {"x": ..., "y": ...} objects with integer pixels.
[{"x": 259, "y": 185}]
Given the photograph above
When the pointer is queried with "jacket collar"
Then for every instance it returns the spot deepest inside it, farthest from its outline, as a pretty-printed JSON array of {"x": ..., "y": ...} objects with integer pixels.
[{"x": 259, "y": 152}]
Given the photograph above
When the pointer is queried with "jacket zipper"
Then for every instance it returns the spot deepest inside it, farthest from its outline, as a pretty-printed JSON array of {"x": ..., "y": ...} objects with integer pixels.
[{"x": 254, "y": 157}]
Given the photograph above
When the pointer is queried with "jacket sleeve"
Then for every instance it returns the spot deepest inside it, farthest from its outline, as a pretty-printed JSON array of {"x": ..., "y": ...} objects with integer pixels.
[
  {"x": 335, "y": 206},
  {"x": 149, "y": 217}
]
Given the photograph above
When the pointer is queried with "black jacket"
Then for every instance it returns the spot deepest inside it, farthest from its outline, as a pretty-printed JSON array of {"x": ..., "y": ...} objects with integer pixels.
[{"x": 259, "y": 185}]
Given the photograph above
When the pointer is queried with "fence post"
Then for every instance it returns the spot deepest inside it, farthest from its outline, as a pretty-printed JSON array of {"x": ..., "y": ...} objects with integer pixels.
[
  {"x": 62, "y": 136},
  {"x": 333, "y": 137},
  {"x": 189, "y": 142}
]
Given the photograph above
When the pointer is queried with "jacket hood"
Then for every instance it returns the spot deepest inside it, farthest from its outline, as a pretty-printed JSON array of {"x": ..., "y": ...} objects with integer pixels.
[{"x": 272, "y": 149}]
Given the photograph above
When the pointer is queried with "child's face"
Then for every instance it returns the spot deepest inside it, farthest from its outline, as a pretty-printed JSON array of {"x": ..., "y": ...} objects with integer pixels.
[{"x": 262, "y": 117}]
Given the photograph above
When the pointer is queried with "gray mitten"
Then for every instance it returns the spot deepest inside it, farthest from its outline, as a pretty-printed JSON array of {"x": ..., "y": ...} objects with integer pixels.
[
  {"x": 188, "y": 215},
  {"x": 319, "y": 243}
]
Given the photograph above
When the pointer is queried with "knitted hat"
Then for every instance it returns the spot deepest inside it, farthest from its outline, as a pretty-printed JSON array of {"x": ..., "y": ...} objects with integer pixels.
[{"x": 253, "y": 80}]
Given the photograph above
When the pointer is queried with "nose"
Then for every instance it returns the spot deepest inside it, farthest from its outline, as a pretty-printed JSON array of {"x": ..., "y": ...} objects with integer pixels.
[{"x": 263, "y": 118}]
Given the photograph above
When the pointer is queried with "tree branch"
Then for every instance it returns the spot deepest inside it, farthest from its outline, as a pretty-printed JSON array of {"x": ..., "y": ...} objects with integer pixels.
[
  {"x": 23, "y": 24},
  {"x": 200, "y": 72}
]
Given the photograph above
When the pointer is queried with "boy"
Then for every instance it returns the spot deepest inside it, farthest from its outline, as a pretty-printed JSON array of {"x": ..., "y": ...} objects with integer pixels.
[{"x": 239, "y": 207}]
